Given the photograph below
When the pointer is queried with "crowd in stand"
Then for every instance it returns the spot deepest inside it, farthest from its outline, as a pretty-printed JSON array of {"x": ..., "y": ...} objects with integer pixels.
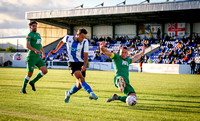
[{"x": 172, "y": 49}]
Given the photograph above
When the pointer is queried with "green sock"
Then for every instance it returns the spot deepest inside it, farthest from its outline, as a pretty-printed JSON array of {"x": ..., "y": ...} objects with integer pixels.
[
  {"x": 26, "y": 79},
  {"x": 123, "y": 99},
  {"x": 37, "y": 77}
]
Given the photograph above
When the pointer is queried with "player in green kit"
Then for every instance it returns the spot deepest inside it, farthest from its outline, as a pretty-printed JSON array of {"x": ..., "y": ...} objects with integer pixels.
[
  {"x": 121, "y": 67},
  {"x": 33, "y": 57}
]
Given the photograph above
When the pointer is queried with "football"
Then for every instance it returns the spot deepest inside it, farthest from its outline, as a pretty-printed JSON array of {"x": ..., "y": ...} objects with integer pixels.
[{"x": 131, "y": 100}]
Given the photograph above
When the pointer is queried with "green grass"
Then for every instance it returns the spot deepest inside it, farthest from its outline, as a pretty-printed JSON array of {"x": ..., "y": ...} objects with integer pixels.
[{"x": 160, "y": 97}]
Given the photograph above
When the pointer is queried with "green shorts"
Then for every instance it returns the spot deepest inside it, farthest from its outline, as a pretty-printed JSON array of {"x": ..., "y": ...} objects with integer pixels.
[
  {"x": 33, "y": 61},
  {"x": 128, "y": 89}
]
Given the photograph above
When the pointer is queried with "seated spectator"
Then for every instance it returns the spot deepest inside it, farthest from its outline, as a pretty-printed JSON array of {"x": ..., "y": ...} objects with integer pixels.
[
  {"x": 179, "y": 44},
  {"x": 160, "y": 55},
  {"x": 149, "y": 60},
  {"x": 128, "y": 43},
  {"x": 169, "y": 45},
  {"x": 65, "y": 53},
  {"x": 137, "y": 43},
  {"x": 189, "y": 43},
  {"x": 185, "y": 59},
  {"x": 97, "y": 51},
  {"x": 170, "y": 60},
  {"x": 159, "y": 60},
  {"x": 57, "y": 56},
  {"x": 63, "y": 57}
]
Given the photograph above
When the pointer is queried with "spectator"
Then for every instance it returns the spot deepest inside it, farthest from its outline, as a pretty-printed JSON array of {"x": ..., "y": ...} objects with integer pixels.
[
  {"x": 158, "y": 33},
  {"x": 128, "y": 43},
  {"x": 169, "y": 45},
  {"x": 149, "y": 60},
  {"x": 65, "y": 53},
  {"x": 141, "y": 60},
  {"x": 63, "y": 57},
  {"x": 170, "y": 60},
  {"x": 145, "y": 59},
  {"x": 57, "y": 56},
  {"x": 193, "y": 65}
]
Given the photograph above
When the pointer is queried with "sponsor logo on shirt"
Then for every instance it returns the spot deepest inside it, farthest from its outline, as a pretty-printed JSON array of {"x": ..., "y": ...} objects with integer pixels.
[
  {"x": 74, "y": 49},
  {"x": 124, "y": 63},
  {"x": 38, "y": 41}
]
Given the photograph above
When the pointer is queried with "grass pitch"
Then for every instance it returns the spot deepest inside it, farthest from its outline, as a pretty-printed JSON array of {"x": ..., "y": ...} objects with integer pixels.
[{"x": 160, "y": 97}]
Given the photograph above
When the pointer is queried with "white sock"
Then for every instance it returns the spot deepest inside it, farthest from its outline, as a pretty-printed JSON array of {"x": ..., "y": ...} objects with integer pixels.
[{"x": 27, "y": 77}]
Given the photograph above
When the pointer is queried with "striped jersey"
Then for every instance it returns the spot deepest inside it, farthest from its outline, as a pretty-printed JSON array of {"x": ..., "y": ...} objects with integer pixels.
[{"x": 75, "y": 50}]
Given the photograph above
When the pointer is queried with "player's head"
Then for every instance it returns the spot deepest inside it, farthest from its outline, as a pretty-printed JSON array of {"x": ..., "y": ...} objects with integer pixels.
[
  {"x": 81, "y": 34},
  {"x": 123, "y": 52},
  {"x": 33, "y": 26}
]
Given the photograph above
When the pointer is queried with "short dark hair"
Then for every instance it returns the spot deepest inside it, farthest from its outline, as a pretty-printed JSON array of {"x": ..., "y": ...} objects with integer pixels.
[
  {"x": 125, "y": 48},
  {"x": 32, "y": 22},
  {"x": 82, "y": 30}
]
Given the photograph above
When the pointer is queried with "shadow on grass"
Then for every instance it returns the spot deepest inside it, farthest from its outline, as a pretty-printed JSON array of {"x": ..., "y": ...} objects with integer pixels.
[{"x": 171, "y": 95}]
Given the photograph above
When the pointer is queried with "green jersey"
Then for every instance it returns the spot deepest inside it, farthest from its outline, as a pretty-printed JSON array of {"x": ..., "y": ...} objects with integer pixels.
[
  {"x": 35, "y": 42},
  {"x": 121, "y": 66}
]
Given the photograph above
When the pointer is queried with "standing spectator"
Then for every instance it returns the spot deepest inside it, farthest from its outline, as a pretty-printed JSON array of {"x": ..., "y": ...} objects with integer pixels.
[
  {"x": 141, "y": 61},
  {"x": 192, "y": 65},
  {"x": 158, "y": 33}
]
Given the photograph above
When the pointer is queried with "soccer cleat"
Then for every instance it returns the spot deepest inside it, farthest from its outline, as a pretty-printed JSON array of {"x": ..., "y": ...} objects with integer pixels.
[
  {"x": 93, "y": 96},
  {"x": 122, "y": 84},
  {"x": 23, "y": 91},
  {"x": 67, "y": 97},
  {"x": 33, "y": 86},
  {"x": 114, "y": 97}
]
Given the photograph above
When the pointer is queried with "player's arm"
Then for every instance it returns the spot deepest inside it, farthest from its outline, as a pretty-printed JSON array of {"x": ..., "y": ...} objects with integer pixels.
[
  {"x": 43, "y": 54},
  {"x": 83, "y": 68},
  {"x": 28, "y": 45},
  {"x": 138, "y": 56},
  {"x": 104, "y": 50},
  {"x": 86, "y": 49},
  {"x": 60, "y": 44}
]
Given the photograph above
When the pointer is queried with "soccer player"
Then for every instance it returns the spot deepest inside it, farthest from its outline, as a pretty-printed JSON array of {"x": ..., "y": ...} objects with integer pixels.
[
  {"x": 77, "y": 53},
  {"x": 121, "y": 67},
  {"x": 33, "y": 57}
]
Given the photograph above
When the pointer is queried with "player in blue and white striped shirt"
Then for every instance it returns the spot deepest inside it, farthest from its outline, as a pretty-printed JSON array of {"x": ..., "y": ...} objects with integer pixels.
[{"x": 77, "y": 54}]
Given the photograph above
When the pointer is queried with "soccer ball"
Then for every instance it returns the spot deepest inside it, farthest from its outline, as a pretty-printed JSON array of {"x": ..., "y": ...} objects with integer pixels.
[{"x": 131, "y": 100}]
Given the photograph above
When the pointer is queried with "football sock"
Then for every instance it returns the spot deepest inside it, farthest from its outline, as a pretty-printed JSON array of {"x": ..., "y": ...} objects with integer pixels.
[
  {"x": 73, "y": 90},
  {"x": 86, "y": 87},
  {"x": 37, "y": 77},
  {"x": 26, "y": 79},
  {"x": 123, "y": 99}
]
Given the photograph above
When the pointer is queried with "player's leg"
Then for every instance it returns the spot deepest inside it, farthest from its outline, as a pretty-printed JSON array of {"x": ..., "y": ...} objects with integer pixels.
[
  {"x": 42, "y": 66},
  {"x": 30, "y": 69},
  {"x": 78, "y": 75},
  {"x": 127, "y": 92},
  {"x": 26, "y": 79},
  {"x": 73, "y": 90}
]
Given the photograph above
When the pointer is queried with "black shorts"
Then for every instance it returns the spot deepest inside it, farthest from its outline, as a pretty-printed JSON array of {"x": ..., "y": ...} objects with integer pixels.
[{"x": 74, "y": 66}]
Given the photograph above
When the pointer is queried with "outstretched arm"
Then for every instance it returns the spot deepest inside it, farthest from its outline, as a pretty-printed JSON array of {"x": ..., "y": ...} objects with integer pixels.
[
  {"x": 60, "y": 44},
  {"x": 138, "y": 56},
  {"x": 104, "y": 50}
]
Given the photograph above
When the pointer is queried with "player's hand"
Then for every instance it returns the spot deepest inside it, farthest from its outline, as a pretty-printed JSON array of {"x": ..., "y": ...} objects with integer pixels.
[
  {"x": 52, "y": 51},
  {"x": 43, "y": 56},
  {"x": 83, "y": 68},
  {"x": 37, "y": 52},
  {"x": 102, "y": 44}
]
